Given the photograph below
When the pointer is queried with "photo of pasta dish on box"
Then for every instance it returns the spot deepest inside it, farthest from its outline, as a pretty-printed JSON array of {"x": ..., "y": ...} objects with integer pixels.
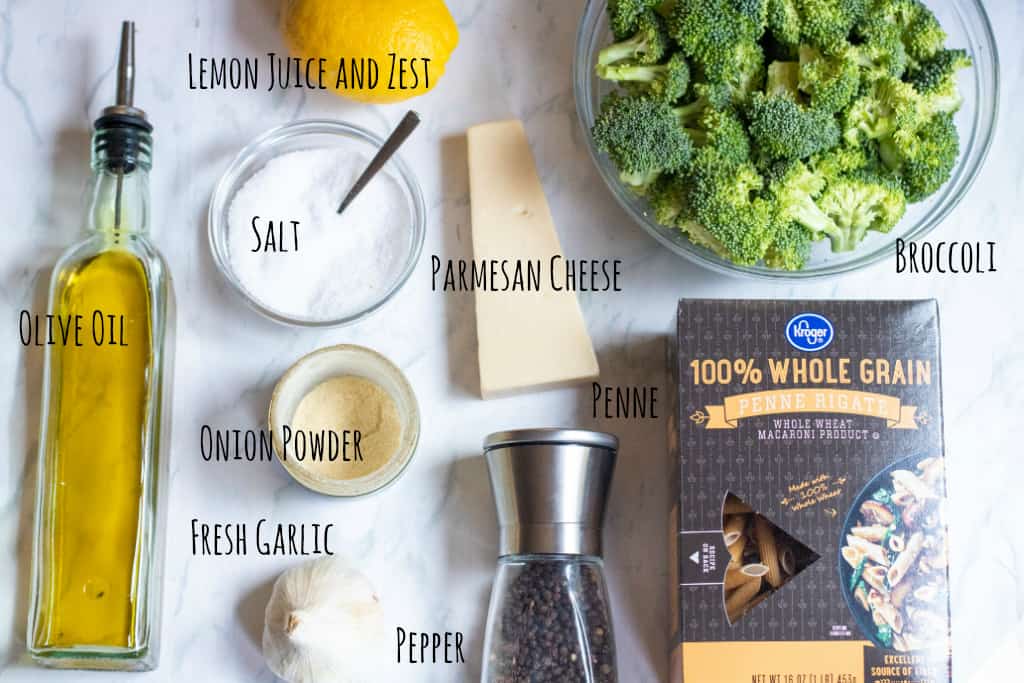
[{"x": 893, "y": 565}]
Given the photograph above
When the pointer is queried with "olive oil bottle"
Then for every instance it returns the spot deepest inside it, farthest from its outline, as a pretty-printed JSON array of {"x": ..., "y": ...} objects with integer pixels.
[{"x": 96, "y": 583}]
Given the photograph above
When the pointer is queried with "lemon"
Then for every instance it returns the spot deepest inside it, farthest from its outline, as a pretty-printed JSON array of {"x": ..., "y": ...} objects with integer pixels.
[{"x": 378, "y": 51}]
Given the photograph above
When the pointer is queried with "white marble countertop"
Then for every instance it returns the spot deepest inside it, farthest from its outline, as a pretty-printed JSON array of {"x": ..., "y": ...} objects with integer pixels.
[{"x": 430, "y": 541}]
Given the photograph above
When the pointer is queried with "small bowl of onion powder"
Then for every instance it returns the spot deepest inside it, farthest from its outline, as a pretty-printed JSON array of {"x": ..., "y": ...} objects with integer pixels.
[
  {"x": 344, "y": 421},
  {"x": 277, "y": 238}
]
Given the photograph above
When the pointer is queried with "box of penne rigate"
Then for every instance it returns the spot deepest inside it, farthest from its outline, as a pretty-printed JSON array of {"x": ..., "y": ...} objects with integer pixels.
[{"x": 808, "y": 538}]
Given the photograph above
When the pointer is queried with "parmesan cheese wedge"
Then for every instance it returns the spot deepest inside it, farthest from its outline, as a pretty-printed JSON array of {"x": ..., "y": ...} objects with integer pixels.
[{"x": 527, "y": 339}]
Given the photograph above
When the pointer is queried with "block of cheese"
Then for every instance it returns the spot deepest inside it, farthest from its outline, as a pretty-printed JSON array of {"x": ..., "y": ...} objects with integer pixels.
[{"x": 527, "y": 339}]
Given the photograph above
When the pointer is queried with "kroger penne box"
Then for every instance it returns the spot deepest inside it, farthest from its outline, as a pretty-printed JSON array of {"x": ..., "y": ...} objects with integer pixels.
[{"x": 808, "y": 538}]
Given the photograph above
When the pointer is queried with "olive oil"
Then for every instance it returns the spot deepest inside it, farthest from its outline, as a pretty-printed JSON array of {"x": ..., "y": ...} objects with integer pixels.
[
  {"x": 98, "y": 546},
  {"x": 98, "y": 400}
]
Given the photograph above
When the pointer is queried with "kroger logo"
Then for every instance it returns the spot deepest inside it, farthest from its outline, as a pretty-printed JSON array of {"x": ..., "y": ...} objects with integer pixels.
[{"x": 809, "y": 332}]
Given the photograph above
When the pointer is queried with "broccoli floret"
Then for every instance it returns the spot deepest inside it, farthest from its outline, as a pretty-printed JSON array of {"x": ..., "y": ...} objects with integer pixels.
[
  {"x": 721, "y": 130},
  {"x": 794, "y": 188},
  {"x": 916, "y": 138},
  {"x": 824, "y": 24},
  {"x": 917, "y": 28},
  {"x": 827, "y": 23},
  {"x": 923, "y": 34},
  {"x": 721, "y": 37},
  {"x": 667, "y": 197},
  {"x": 624, "y": 15},
  {"x": 744, "y": 75},
  {"x": 845, "y": 159},
  {"x": 700, "y": 236},
  {"x": 935, "y": 79},
  {"x": 861, "y": 202},
  {"x": 889, "y": 106},
  {"x": 842, "y": 208},
  {"x": 924, "y": 161},
  {"x": 791, "y": 248},
  {"x": 785, "y": 21},
  {"x": 880, "y": 52},
  {"x": 784, "y": 79},
  {"x": 784, "y": 129},
  {"x": 643, "y": 136},
  {"x": 748, "y": 73},
  {"x": 648, "y": 45},
  {"x": 728, "y": 215},
  {"x": 831, "y": 81},
  {"x": 754, "y": 11},
  {"x": 667, "y": 81},
  {"x": 718, "y": 127}
]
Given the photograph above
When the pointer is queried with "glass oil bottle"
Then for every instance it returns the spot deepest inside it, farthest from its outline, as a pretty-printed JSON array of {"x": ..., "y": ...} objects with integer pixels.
[{"x": 96, "y": 580}]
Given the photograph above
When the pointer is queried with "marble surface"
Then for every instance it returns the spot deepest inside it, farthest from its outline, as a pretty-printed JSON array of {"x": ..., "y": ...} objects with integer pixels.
[{"x": 430, "y": 541}]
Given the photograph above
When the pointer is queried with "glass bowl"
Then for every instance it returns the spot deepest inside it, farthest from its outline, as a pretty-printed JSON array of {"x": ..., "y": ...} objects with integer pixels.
[
  {"x": 301, "y": 135},
  {"x": 968, "y": 26}
]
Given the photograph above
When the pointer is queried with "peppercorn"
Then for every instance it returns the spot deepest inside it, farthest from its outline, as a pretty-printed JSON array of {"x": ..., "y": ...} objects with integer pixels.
[{"x": 554, "y": 626}]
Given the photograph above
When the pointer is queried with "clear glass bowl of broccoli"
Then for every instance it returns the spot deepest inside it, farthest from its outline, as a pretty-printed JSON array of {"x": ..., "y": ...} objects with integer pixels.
[{"x": 787, "y": 139}]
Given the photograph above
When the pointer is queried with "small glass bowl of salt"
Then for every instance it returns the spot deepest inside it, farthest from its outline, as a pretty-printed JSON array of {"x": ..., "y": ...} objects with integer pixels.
[{"x": 277, "y": 238}]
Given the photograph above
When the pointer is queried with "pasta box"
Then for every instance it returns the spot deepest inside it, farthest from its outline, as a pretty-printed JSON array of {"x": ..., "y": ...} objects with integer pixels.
[{"x": 808, "y": 538}]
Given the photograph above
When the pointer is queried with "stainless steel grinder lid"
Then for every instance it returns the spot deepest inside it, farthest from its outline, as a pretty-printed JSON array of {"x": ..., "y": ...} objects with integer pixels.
[{"x": 550, "y": 488}]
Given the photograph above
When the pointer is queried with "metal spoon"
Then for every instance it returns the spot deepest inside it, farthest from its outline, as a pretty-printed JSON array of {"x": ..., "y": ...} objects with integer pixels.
[{"x": 398, "y": 136}]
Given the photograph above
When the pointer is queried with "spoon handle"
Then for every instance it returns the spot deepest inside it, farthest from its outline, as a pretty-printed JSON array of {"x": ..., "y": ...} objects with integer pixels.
[{"x": 405, "y": 127}]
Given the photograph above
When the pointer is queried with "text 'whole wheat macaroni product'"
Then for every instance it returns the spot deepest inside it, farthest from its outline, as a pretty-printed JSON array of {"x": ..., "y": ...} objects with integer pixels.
[{"x": 808, "y": 536}]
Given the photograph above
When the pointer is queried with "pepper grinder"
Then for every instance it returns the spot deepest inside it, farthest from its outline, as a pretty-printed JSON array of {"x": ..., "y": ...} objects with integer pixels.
[{"x": 549, "y": 616}]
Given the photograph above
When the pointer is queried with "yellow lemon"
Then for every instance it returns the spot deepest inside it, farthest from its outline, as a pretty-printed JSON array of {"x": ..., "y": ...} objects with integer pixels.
[{"x": 376, "y": 51}]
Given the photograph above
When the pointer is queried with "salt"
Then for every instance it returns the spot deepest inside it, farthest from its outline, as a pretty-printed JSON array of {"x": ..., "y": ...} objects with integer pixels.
[{"x": 344, "y": 263}]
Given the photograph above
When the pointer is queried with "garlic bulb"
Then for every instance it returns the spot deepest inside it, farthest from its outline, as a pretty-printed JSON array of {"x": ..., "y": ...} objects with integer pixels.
[{"x": 324, "y": 624}]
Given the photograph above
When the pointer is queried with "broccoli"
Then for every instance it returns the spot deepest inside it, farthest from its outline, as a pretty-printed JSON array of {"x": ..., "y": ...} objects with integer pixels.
[
  {"x": 721, "y": 130},
  {"x": 727, "y": 214},
  {"x": 648, "y": 45},
  {"x": 923, "y": 35},
  {"x": 784, "y": 129},
  {"x": 831, "y": 81},
  {"x": 791, "y": 248},
  {"x": 845, "y": 159},
  {"x": 667, "y": 197},
  {"x": 860, "y": 202},
  {"x": 824, "y": 24},
  {"x": 794, "y": 189},
  {"x": 745, "y": 74},
  {"x": 644, "y": 138},
  {"x": 842, "y": 208},
  {"x": 721, "y": 37},
  {"x": 924, "y": 161},
  {"x": 700, "y": 236},
  {"x": 917, "y": 28},
  {"x": 784, "y": 79},
  {"x": 784, "y": 21},
  {"x": 757, "y": 127},
  {"x": 827, "y": 23},
  {"x": 624, "y": 15},
  {"x": 935, "y": 79},
  {"x": 665, "y": 81},
  {"x": 880, "y": 51},
  {"x": 889, "y": 106},
  {"x": 916, "y": 136}
]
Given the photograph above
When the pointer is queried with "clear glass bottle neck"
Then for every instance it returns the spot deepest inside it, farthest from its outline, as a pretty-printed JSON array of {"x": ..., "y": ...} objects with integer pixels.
[{"x": 120, "y": 182}]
